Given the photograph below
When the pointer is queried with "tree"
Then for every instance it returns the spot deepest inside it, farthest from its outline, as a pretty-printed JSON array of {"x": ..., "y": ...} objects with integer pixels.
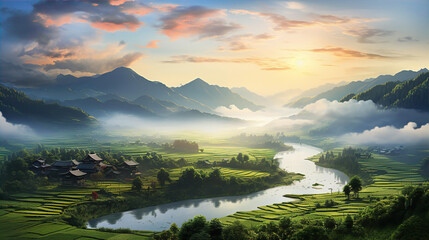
[
  {"x": 349, "y": 222},
  {"x": 193, "y": 227},
  {"x": 163, "y": 176},
  {"x": 137, "y": 184},
  {"x": 347, "y": 190},
  {"x": 311, "y": 232},
  {"x": 355, "y": 185},
  {"x": 215, "y": 229},
  {"x": 330, "y": 223},
  {"x": 236, "y": 231}
]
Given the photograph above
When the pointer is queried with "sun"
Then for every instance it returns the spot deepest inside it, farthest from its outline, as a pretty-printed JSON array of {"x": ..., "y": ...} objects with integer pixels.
[{"x": 299, "y": 62}]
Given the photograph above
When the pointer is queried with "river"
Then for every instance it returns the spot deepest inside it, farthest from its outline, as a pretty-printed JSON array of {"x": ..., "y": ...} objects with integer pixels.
[{"x": 160, "y": 217}]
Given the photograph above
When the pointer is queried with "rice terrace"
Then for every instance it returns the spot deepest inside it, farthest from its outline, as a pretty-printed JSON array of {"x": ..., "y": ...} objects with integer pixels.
[{"x": 214, "y": 120}]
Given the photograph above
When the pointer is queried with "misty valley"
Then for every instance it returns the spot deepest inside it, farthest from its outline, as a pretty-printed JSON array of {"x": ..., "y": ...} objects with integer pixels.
[{"x": 214, "y": 120}]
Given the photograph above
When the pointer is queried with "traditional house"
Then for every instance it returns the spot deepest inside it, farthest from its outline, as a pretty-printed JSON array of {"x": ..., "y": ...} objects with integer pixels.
[
  {"x": 73, "y": 177},
  {"x": 129, "y": 165},
  {"x": 59, "y": 167},
  {"x": 40, "y": 167},
  {"x": 92, "y": 158}
]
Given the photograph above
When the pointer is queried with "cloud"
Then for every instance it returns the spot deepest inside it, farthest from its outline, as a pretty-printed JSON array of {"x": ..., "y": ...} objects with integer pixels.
[
  {"x": 295, "y": 5},
  {"x": 109, "y": 16},
  {"x": 282, "y": 23},
  {"x": 409, "y": 134},
  {"x": 364, "y": 34},
  {"x": 27, "y": 27},
  {"x": 11, "y": 130},
  {"x": 92, "y": 65},
  {"x": 242, "y": 42},
  {"x": 151, "y": 44},
  {"x": 262, "y": 116},
  {"x": 264, "y": 63},
  {"x": 22, "y": 76},
  {"x": 348, "y": 53},
  {"x": 333, "y": 118},
  {"x": 199, "y": 21},
  {"x": 407, "y": 39}
]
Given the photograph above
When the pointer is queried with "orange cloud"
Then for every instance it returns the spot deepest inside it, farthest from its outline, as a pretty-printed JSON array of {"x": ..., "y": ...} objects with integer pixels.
[
  {"x": 195, "y": 20},
  {"x": 54, "y": 21},
  {"x": 118, "y": 2},
  {"x": 268, "y": 64},
  {"x": 151, "y": 44},
  {"x": 112, "y": 27},
  {"x": 283, "y": 23},
  {"x": 348, "y": 53},
  {"x": 139, "y": 10}
]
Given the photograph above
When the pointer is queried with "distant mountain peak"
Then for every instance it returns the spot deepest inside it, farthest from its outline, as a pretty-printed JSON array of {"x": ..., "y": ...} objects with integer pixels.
[{"x": 197, "y": 81}]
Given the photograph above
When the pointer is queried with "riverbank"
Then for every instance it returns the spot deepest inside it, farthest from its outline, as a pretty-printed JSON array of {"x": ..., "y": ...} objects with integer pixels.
[{"x": 48, "y": 211}]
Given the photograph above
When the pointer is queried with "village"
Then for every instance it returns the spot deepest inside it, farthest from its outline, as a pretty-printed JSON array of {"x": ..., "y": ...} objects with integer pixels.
[{"x": 72, "y": 172}]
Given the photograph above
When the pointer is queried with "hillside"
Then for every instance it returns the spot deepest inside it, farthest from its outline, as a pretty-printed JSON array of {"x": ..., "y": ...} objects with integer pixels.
[
  {"x": 102, "y": 109},
  {"x": 121, "y": 81},
  {"x": 412, "y": 94},
  {"x": 158, "y": 106},
  {"x": 356, "y": 87},
  {"x": 213, "y": 95},
  {"x": 17, "y": 108}
]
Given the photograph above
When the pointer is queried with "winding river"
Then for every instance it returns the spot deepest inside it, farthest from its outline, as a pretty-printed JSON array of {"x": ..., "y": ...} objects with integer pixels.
[{"x": 158, "y": 218}]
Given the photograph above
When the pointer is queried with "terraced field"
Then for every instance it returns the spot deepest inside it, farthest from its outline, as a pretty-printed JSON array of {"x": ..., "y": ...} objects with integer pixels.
[
  {"x": 30, "y": 216},
  {"x": 226, "y": 172},
  {"x": 396, "y": 177}
]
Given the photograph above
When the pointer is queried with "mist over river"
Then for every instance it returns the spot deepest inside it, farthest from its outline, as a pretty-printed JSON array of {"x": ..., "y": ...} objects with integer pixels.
[{"x": 160, "y": 217}]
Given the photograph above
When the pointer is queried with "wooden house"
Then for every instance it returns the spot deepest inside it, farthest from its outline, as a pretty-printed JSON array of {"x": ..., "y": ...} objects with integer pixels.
[
  {"x": 59, "y": 167},
  {"x": 40, "y": 167},
  {"x": 73, "y": 177},
  {"x": 92, "y": 158}
]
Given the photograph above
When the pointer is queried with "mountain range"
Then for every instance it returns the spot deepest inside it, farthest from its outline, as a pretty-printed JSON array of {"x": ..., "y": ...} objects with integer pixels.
[
  {"x": 356, "y": 87},
  {"x": 17, "y": 108},
  {"x": 413, "y": 93},
  {"x": 214, "y": 96},
  {"x": 127, "y": 84}
]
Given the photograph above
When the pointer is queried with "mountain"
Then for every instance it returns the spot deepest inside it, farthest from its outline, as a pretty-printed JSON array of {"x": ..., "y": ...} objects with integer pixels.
[
  {"x": 121, "y": 81},
  {"x": 413, "y": 93},
  {"x": 251, "y": 96},
  {"x": 356, "y": 87},
  {"x": 17, "y": 108},
  {"x": 157, "y": 106},
  {"x": 102, "y": 109},
  {"x": 214, "y": 96}
]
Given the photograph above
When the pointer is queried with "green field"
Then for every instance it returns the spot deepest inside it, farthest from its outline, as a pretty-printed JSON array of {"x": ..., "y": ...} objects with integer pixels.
[
  {"x": 397, "y": 176},
  {"x": 35, "y": 215}
]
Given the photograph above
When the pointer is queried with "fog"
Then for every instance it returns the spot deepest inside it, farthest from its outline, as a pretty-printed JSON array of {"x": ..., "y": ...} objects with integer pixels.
[
  {"x": 10, "y": 130},
  {"x": 409, "y": 134},
  {"x": 333, "y": 118},
  {"x": 132, "y": 125}
]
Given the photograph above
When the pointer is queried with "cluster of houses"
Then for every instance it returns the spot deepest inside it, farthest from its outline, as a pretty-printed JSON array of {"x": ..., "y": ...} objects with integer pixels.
[
  {"x": 72, "y": 172},
  {"x": 387, "y": 151}
]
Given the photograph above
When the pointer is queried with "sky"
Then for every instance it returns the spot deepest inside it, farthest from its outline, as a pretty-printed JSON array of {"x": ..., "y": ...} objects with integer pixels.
[{"x": 266, "y": 46}]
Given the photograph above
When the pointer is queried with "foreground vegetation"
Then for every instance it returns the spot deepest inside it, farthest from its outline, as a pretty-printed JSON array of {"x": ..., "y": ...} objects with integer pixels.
[{"x": 54, "y": 211}]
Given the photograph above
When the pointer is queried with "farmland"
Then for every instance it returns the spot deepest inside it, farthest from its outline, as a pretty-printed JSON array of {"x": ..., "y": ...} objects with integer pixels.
[
  {"x": 37, "y": 215},
  {"x": 397, "y": 175}
]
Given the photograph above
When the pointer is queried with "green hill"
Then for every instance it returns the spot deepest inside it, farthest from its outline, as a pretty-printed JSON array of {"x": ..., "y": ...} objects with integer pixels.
[
  {"x": 412, "y": 94},
  {"x": 17, "y": 108}
]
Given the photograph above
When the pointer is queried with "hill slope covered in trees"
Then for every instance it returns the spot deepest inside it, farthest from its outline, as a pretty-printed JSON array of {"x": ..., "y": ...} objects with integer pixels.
[
  {"x": 413, "y": 93},
  {"x": 17, "y": 108}
]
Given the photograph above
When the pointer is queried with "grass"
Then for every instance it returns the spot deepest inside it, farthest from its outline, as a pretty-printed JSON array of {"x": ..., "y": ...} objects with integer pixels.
[
  {"x": 35, "y": 215},
  {"x": 397, "y": 176}
]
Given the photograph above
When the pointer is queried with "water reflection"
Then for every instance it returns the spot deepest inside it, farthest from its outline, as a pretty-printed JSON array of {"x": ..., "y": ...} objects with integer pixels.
[{"x": 160, "y": 217}]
